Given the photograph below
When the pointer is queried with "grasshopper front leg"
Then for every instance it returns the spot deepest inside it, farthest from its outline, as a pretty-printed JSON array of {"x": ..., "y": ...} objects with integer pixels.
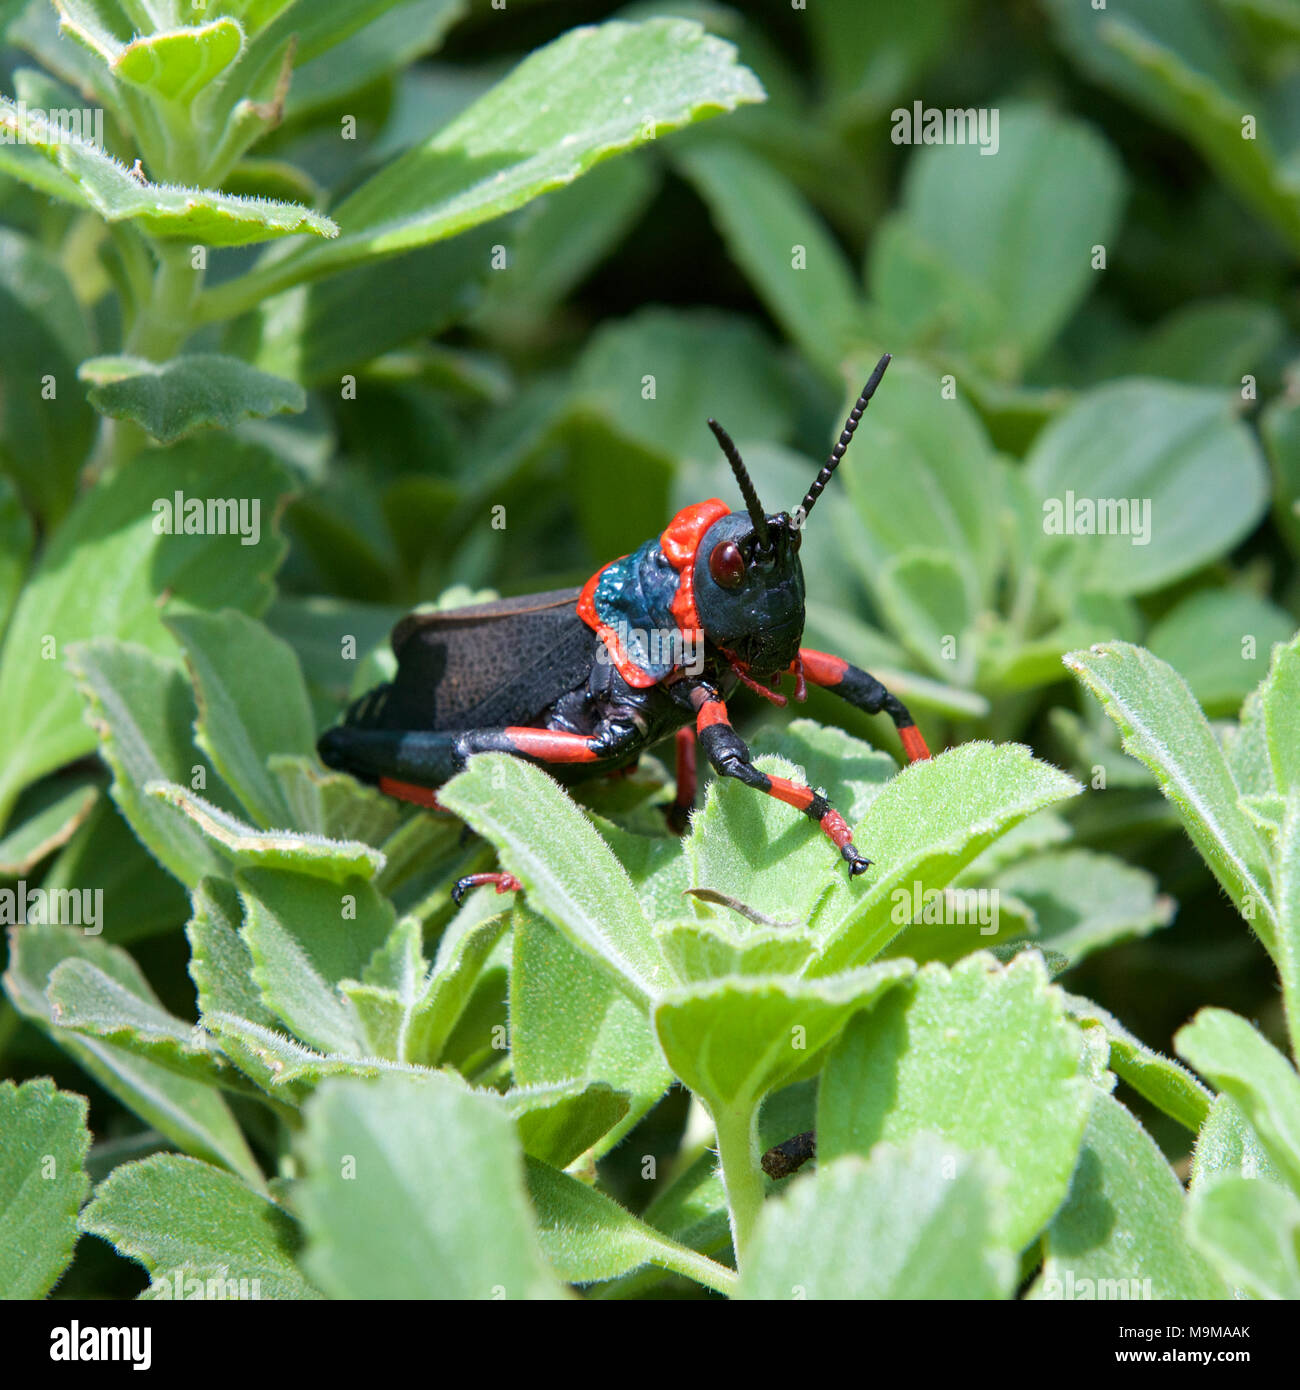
[{"x": 729, "y": 756}]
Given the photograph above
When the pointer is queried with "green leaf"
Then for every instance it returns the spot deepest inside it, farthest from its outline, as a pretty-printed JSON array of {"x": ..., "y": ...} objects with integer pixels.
[
  {"x": 86, "y": 1000},
  {"x": 221, "y": 965},
  {"x": 306, "y": 935},
  {"x": 44, "y": 440},
  {"x": 415, "y": 1189},
  {"x": 788, "y": 254},
  {"x": 606, "y": 1034},
  {"x": 169, "y": 1211},
  {"x": 252, "y": 704},
  {"x": 919, "y": 1221},
  {"x": 109, "y": 570},
  {"x": 935, "y": 1057},
  {"x": 312, "y": 855},
  {"x": 80, "y": 173},
  {"x": 1219, "y": 641},
  {"x": 1280, "y": 696},
  {"x": 1249, "y": 1230},
  {"x": 588, "y": 1237},
  {"x": 175, "y": 65},
  {"x": 317, "y": 333},
  {"x": 927, "y": 824},
  {"x": 918, "y": 470},
  {"x": 557, "y": 1124},
  {"x": 196, "y": 391},
  {"x": 1172, "y": 60},
  {"x": 1119, "y": 1233},
  {"x": 702, "y": 951},
  {"x": 1228, "y": 1144},
  {"x": 1163, "y": 727},
  {"x": 731, "y": 1041},
  {"x": 1143, "y": 482},
  {"x": 1170, "y": 1087},
  {"x": 191, "y": 1114},
  {"x": 1242, "y": 1063},
  {"x": 462, "y": 957},
  {"x": 143, "y": 712},
  {"x": 42, "y": 1184},
  {"x": 1121, "y": 902},
  {"x": 45, "y": 820},
  {"x": 569, "y": 872},
  {"x": 1020, "y": 225},
  {"x": 593, "y": 93}
]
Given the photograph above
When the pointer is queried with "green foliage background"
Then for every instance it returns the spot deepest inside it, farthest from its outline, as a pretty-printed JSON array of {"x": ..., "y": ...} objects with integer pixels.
[{"x": 447, "y": 251}]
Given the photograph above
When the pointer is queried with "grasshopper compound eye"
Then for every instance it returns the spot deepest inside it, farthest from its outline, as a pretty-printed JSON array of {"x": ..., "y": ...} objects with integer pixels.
[{"x": 727, "y": 564}]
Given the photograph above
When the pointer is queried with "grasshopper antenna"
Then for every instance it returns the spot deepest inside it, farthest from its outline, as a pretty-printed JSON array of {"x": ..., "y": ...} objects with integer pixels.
[
  {"x": 747, "y": 489},
  {"x": 837, "y": 453}
]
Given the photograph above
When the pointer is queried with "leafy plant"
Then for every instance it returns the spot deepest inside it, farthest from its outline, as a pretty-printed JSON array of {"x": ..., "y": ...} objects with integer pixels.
[{"x": 334, "y": 320}]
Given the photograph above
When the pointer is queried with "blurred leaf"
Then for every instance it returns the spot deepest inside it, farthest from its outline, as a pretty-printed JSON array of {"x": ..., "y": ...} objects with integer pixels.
[
  {"x": 913, "y": 1222},
  {"x": 169, "y": 1211},
  {"x": 934, "y": 1057},
  {"x": 42, "y": 1184},
  {"x": 394, "y": 1207},
  {"x": 1019, "y": 228},
  {"x": 46, "y": 428},
  {"x": 1172, "y": 58},
  {"x": 1249, "y": 1230},
  {"x": 108, "y": 570},
  {"x": 1214, "y": 343},
  {"x": 1219, "y": 641},
  {"x": 188, "y": 393},
  {"x": 1142, "y": 483},
  {"x": 786, "y": 251},
  {"x": 45, "y": 819}
]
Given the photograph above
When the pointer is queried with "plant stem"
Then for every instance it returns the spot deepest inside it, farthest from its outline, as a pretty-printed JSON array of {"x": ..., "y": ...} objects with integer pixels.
[
  {"x": 742, "y": 1177},
  {"x": 167, "y": 319}
]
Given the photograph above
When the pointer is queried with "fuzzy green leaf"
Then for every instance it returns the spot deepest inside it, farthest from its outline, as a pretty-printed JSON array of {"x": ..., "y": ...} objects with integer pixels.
[
  {"x": 42, "y": 1184},
  {"x": 913, "y": 1222},
  {"x": 934, "y": 1058},
  {"x": 415, "y": 1189},
  {"x": 196, "y": 391},
  {"x": 169, "y": 1211}
]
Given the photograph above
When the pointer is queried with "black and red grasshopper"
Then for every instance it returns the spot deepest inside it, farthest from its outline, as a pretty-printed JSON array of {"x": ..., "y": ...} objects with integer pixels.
[{"x": 582, "y": 681}]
